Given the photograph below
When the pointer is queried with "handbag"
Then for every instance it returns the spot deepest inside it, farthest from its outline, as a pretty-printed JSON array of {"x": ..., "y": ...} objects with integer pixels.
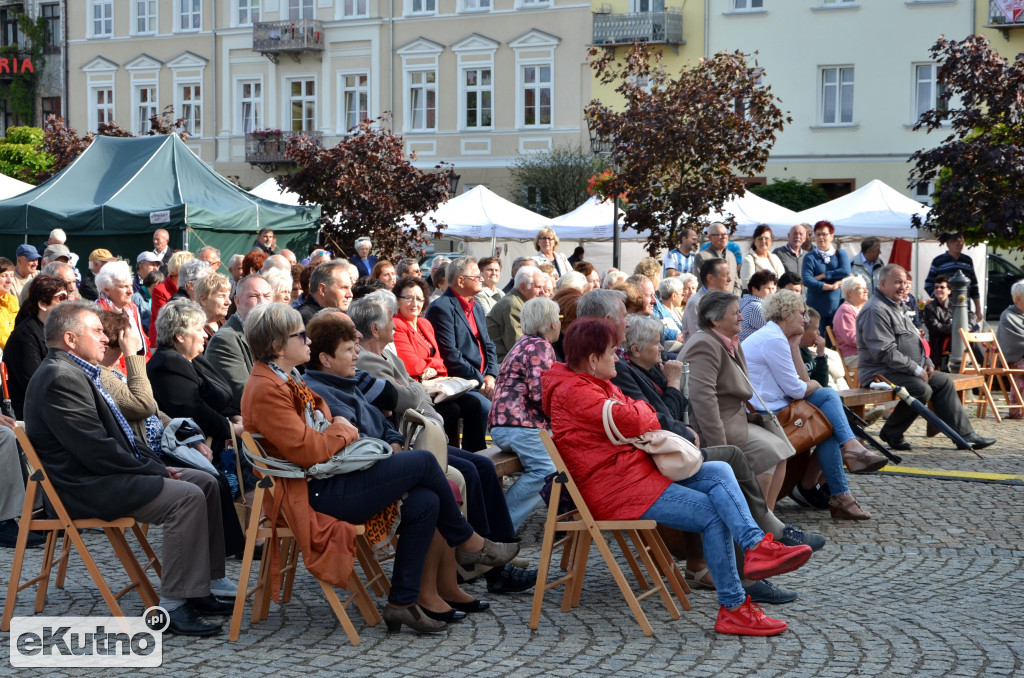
[
  {"x": 358, "y": 455},
  {"x": 675, "y": 456},
  {"x": 800, "y": 424},
  {"x": 423, "y": 432}
]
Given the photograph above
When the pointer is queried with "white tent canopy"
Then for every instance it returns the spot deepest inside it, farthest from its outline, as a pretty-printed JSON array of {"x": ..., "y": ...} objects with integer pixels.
[
  {"x": 481, "y": 214},
  {"x": 10, "y": 187},
  {"x": 751, "y": 211},
  {"x": 874, "y": 209},
  {"x": 271, "y": 191},
  {"x": 592, "y": 221}
]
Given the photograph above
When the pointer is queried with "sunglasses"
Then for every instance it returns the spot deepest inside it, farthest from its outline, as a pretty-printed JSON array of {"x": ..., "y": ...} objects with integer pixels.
[{"x": 301, "y": 334}]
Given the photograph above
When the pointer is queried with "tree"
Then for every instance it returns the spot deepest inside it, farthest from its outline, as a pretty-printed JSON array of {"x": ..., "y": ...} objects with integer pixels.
[
  {"x": 556, "y": 182},
  {"x": 792, "y": 193},
  {"x": 366, "y": 186},
  {"x": 22, "y": 155},
  {"x": 682, "y": 146},
  {"x": 977, "y": 169}
]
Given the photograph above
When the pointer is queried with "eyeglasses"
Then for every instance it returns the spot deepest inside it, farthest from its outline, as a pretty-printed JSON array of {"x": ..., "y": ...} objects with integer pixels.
[
  {"x": 545, "y": 237},
  {"x": 412, "y": 300},
  {"x": 473, "y": 277},
  {"x": 718, "y": 235},
  {"x": 61, "y": 296},
  {"x": 301, "y": 335}
]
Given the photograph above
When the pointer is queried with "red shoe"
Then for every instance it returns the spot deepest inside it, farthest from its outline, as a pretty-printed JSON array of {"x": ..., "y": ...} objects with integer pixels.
[
  {"x": 771, "y": 558},
  {"x": 748, "y": 620}
]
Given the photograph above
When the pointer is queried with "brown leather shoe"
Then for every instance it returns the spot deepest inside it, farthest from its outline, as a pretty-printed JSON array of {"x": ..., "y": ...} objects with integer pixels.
[
  {"x": 845, "y": 507},
  {"x": 863, "y": 461}
]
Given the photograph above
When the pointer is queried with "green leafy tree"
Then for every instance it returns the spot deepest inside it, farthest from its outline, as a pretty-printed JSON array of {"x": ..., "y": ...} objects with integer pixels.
[
  {"x": 22, "y": 155},
  {"x": 19, "y": 89},
  {"x": 682, "y": 145},
  {"x": 791, "y": 193},
  {"x": 556, "y": 182}
]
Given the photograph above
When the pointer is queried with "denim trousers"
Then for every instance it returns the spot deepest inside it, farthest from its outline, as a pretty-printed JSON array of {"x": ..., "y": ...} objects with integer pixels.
[
  {"x": 524, "y": 494},
  {"x": 711, "y": 503},
  {"x": 485, "y": 503},
  {"x": 829, "y": 454},
  {"x": 427, "y": 503}
]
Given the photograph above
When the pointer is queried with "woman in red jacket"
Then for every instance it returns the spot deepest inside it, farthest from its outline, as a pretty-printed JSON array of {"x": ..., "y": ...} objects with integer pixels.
[{"x": 621, "y": 483}]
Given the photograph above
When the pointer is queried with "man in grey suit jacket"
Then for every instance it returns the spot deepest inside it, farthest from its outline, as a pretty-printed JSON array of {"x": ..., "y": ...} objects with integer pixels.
[
  {"x": 228, "y": 351},
  {"x": 102, "y": 471}
]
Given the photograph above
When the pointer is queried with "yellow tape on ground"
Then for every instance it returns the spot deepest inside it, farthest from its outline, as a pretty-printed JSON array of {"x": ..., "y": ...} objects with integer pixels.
[{"x": 938, "y": 473}]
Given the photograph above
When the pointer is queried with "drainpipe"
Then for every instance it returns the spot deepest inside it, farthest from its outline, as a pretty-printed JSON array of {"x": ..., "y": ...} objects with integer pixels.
[
  {"x": 707, "y": 29},
  {"x": 64, "y": 59},
  {"x": 216, "y": 100},
  {"x": 391, "y": 61}
]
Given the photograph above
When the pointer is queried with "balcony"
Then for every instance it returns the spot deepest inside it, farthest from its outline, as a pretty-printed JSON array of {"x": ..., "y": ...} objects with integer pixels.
[
  {"x": 999, "y": 19},
  {"x": 274, "y": 38},
  {"x": 650, "y": 27},
  {"x": 266, "y": 150}
]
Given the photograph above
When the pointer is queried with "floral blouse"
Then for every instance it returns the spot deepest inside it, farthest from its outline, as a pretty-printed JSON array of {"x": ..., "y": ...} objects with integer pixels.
[{"x": 517, "y": 392}]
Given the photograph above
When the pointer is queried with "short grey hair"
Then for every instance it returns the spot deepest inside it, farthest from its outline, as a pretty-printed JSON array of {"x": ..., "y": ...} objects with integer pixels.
[
  {"x": 176, "y": 318},
  {"x": 712, "y": 226},
  {"x": 324, "y": 274},
  {"x": 208, "y": 248},
  {"x": 641, "y": 330},
  {"x": 235, "y": 260},
  {"x": 278, "y": 261},
  {"x": 192, "y": 271},
  {"x": 112, "y": 273},
  {"x": 66, "y": 317},
  {"x": 688, "y": 278},
  {"x": 713, "y": 307},
  {"x": 889, "y": 268},
  {"x": 600, "y": 304},
  {"x": 210, "y": 285},
  {"x": 524, "y": 276},
  {"x": 574, "y": 280},
  {"x": 386, "y": 297},
  {"x": 783, "y": 304},
  {"x": 59, "y": 235},
  {"x": 538, "y": 316},
  {"x": 670, "y": 286},
  {"x": 280, "y": 280},
  {"x": 518, "y": 262},
  {"x": 1017, "y": 289},
  {"x": 404, "y": 265},
  {"x": 267, "y": 329},
  {"x": 613, "y": 278},
  {"x": 438, "y": 262},
  {"x": 457, "y": 268},
  {"x": 850, "y": 283},
  {"x": 362, "y": 241},
  {"x": 55, "y": 268},
  {"x": 366, "y": 312}
]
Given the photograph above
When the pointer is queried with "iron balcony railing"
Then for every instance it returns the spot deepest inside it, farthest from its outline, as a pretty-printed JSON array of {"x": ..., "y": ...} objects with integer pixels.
[
  {"x": 651, "y": 27},
  {"x": 996, "y": 16},
  {"x": 297, "y": 35},
  {"x": 265, "y": 148}
]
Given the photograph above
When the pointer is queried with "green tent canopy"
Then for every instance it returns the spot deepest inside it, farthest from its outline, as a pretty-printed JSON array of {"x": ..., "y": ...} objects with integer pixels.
[{"x": 120, "y": 190}]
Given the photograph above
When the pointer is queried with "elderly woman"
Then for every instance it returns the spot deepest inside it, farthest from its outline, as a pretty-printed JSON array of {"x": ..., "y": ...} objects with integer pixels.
[
  {"x": 384, "y": 271},
  {"x": 618, "y": 483},
  {"x": 761, "y": 285},
  {"x": 491, "y": 294},
  {"x": 417, "y": 348},
  {"x": 8, "y": 300},
  {"x": 590, "y": 273},
  {"x": 281, "y": 285},
  {"x": 26, "y": 346},
  {"x": 546, "y": 242},
  {"x": 760, "y": 256},
  {"x": 719, "y": 390},
  {"x": 772, "y": 359},
  {"x": 297, "y": 425},
  {"x": 114, "y": 284},
  {"x": 163, "y": 292},
  {"x": 516, "y": 416},
  {"x": 822, "y": 272},
  {"x": 844, "y": 322},
  {"x": 1010, "y": 334},
  {"x": 213, "y": 294}
]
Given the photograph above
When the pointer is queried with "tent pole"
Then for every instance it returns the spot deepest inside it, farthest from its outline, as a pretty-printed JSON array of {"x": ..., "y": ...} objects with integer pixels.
[{"x": 616, "y": 240}]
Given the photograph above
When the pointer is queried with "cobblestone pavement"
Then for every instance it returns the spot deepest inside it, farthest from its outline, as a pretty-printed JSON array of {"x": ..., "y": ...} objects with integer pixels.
[{"x": 931, "y": 586}]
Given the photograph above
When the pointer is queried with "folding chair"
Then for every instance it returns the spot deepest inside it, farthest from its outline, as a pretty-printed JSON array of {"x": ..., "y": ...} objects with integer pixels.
[
  {"x": 113, "y": 529},
  {"x": 263, "y": 527},
  {"x": 849, "y": 373},
  {"x": 994, "y": 368},
  {"x": 651, "y": 554}
]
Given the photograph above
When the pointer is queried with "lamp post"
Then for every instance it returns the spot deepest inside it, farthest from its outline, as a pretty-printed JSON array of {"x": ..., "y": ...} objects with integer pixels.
[
  {"x": 453, "y": 183},
  {"x": 601, "y": 146},
  {"x": 959, "y": 285}
]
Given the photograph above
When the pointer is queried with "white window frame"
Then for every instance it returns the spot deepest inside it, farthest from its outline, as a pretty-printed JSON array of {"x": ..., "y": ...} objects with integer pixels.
[
  {"x": 465, "y": 89},
  {"x": 180, "y": 88},
  {"x": 932, "y": 80},
  {"x": 151, "y": 17},
  {"x": 747, "y": 6},
  {"x": 414, "y": 74},
  {"x": 475, "y": 52},
  {"x": 187, "y": 9},
  {"x": 410, "y": 7},
  {"x": 531, "y": 4},
  {"x": 522, "y": 87},
  {"x": 248, "y": 7},
  {"x": 420, "y": 55},
  {"x": 534, "y": 48},
  {"x": 94, "y": 107},
  {"x": 288, "y": 100},
  {"x": 152, "y": 105},
  {"x": 824, "y": 94},
  {"x": 353, "y": 9},
  {"x": 838, "y": 3},
  {"x": 105, "y": 21},
  {"x": 343, "y": 123},
  {"x": 258, "y": 102},
  {"x": 304, "y": 9},
  {"x": 476, "y": 5}
]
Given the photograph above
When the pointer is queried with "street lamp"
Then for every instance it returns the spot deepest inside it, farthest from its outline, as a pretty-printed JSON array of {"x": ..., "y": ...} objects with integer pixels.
[
  {"x": 453, "y": 182},
  {"x": 601, "y": 146}
]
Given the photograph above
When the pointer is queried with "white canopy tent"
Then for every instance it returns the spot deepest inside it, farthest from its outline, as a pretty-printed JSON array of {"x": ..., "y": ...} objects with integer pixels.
[
  {"x": 874, "y": 209},
  {"x": 10, "y": 187},
  {"x": 751, "y": 210},
  {"x": 271, "y": 191},
  {"x": 479, "y": 214}
]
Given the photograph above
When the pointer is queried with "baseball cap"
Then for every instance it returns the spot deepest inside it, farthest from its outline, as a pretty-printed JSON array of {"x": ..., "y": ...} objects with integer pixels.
[
  {"x": 101, "y": 255},
  {"x": 56, "y": 251},
  {"x": 149, "y": 256},
  {"x": 29, "y": 251}
]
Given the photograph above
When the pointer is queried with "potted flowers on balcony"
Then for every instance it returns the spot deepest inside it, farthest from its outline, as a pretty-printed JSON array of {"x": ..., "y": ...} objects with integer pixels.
[{"x": 267, "y": 140}]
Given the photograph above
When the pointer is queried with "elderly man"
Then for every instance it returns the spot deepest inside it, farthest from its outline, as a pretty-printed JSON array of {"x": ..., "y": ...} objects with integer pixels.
[
  {"x": 408, "y": 267},
  {"x": 792, "y": 253},
  {"x": 681, "y": 259},
  {"x": 503, "y": 326},
  {"x": 715, "y": 274},
  {"x": 25, "y": 268},
  {"x": 718, "y": 235},
  {"x": 517, "y": 264},
  {"x": 228, "y": 350},
  {"x": 889, "y": 344},
  {"x": 189, "y": 274},
  {"x": 290, "y": 256},
  {"x": 161, "y": 247},
  {"x": 97, "y": 258},
  {"x": 210, "y": 255},
  {"x": 363, "y": 260},
  {"x": 329, "y": 286},
  {"x": 145, "y": 263},
  {"x": 102, "y": 471},
  {"x": 235, "y": 266},
  {"x": 868, "y": 264},
  {"x": 278, "y": 261}
]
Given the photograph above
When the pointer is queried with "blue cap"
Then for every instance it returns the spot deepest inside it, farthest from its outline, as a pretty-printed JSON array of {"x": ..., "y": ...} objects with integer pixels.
[{"x": 29, "y": 251}]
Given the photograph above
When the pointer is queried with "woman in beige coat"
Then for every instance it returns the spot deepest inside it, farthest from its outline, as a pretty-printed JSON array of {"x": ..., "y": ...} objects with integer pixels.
[{"x": 719, "y": 391}]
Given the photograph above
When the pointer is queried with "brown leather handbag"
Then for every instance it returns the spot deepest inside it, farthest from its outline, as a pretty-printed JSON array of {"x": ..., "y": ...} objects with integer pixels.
[{"x": 805, "y": 425}]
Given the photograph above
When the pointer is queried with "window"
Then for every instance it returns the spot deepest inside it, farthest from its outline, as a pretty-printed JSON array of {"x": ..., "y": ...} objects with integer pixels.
[
  {"x": 478, "y": 92},
  {"x": 302, "y": 99},
  {"x": 190, "y": 15},
  {"x": 355, "y": 99},
  {"x": 423, "y": 100},
  {"x": 645, "y": 6},
  {"x": 51, "y": 16},
  {"x": 248, "y": 12},
  {"x": 476, "y": 5},
  {"x": 832, "y": 3},
  {"x": 145, "y": 16},
  {"x": 533, "y": 198},
  {"x": 927, "y": 91},
  {"x": 536, "y": 93},
  {"x": 923, "y": 192},
  {"x": 532, "y": 3},
  {"x": 742, "y": 103},
  {"x": 354, "y": 9},
  {"x": 747, "y": 5},
  {"x": 424, "y": 7},
  {"x": 10, "y": 31},
  {"x": 144, "y": 107},
  {"x": 190, "y": 104},
  {"x": 837, "y": 96},
  {"x": 102, "y": 106},
  {"x": 300, "y": 9},
  {"x": 102, "y": 18},
  {"x": 250, "y": 96},
  {"x": 50, "y": 106}
]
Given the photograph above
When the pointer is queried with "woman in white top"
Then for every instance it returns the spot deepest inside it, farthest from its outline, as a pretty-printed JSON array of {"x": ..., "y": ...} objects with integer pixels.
[
  {"x": 546, "y": 243},
  {"x": 760, "y": 257}
]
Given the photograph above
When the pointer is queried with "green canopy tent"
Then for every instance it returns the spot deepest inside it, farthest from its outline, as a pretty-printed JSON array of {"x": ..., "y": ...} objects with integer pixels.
[{"x": 120, "y": 190}]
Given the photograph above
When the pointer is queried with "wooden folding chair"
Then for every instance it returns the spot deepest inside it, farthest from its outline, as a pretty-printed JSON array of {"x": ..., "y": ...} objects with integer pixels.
[
  {"x": 54, "y": 527},
  {"x": 849, "y": 373},
  {"x": 263, "y": 527},
  {"x": 994, "y": 368},
  {"x": 639, "y": 540}
]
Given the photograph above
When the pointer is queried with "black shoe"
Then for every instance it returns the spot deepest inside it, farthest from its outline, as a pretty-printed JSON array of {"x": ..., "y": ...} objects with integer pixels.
[
  {"x": 899, "y": 443},
  {"x": 446, "y": 617},
  {"x": 766, "y": 592},
  {"x": 791, "y": 536},
  {"x": 185, "y": 621},
  {"x": 510, "y": 579},
  {"x": 815, "y": 497},
  {"x": 212, "y": 605},
  {"x": 472, "y": 606},
  {"x": 979, "y": 442},
  {"x": 9, "y": 535}
]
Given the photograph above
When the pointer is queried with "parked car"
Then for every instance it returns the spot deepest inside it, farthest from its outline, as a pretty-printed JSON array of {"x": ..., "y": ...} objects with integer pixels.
[{"x": 1001, "y": 275}]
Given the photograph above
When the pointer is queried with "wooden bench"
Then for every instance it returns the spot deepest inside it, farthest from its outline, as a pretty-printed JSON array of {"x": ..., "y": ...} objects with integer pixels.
[
  {"x": 505, "y": 463},
  {"x": 857, "y": 399}
]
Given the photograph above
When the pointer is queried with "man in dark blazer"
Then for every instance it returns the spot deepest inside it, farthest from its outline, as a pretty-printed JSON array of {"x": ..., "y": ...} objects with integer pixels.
[
  {"x": 363, "y": 260},
  {"x": 102, "y": 471}
]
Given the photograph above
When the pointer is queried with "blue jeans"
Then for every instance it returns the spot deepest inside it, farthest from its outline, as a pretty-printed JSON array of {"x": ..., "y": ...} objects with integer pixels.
[
  {"x": 711, "y": 503},
  {"x": 524, "y": 495},
  {"x": 829, "y": 454}
]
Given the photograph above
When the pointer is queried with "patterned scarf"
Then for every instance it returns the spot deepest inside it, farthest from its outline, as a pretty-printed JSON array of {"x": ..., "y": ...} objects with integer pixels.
[{"x": 826, "y": 256}]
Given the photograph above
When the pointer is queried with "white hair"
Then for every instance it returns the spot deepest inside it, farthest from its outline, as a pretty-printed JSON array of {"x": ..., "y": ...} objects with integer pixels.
[
  {"x": 1017, "y": 289},
  {"x": 363, "y": 241},
  {"x": 59, "y": 236},
  {"x": 613, "y": 278},
  {"x": 575, "y": 280},
  {"x": 280, "y": 281},
  {"x": 525, "y": 274},
  {"x": 276, "y": 261},
  {"x": 538, "y": 316},
  {"x": 112, "y": 273}
]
